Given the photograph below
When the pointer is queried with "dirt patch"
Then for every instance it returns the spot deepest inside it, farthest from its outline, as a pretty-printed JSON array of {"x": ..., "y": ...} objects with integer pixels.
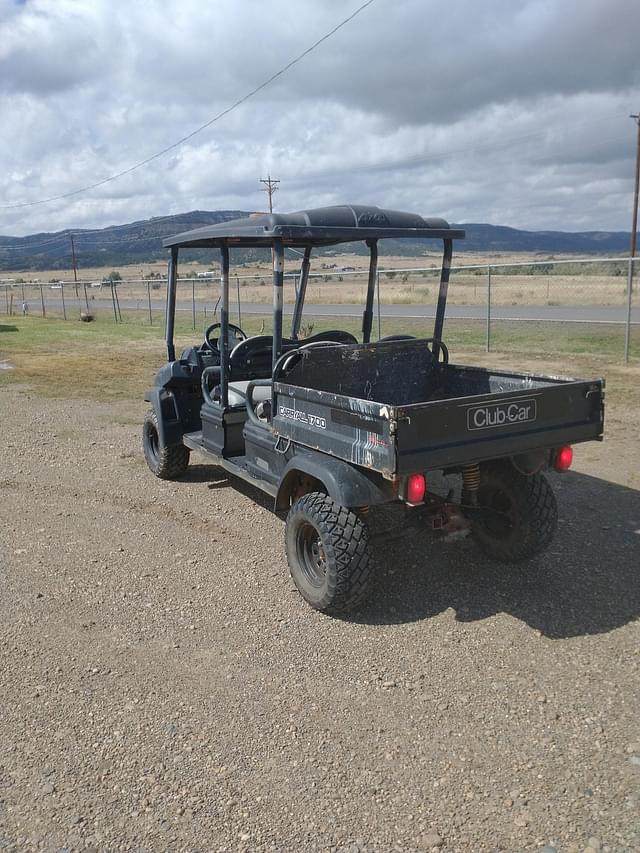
[{"x": 165, "y": 688}]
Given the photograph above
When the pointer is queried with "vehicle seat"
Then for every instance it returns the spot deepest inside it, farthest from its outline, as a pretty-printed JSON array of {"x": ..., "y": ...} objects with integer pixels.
[
  {"x": 252, "y": 358},
  {"x": 260, "y": 393},
  {"x": 238, "y": 393}
]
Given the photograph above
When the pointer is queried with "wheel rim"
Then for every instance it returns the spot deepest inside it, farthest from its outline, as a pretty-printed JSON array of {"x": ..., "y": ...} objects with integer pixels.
[
  {"x": 499, "y": 518},
  {"x": 153, "y": 442},
  {"x": 311, "y": 555}
]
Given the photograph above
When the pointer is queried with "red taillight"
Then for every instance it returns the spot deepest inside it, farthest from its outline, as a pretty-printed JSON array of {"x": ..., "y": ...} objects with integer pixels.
[
  {"x": 416, "y": 487},
  {"x": 563, "y": 458}
]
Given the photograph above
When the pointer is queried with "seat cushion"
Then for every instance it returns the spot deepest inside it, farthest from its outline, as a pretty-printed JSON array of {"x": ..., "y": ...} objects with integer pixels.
[{"x": 260, "y": 393}]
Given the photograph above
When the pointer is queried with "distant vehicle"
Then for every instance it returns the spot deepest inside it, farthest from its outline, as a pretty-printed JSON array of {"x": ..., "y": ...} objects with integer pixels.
[
  {"x": 208, "y": 274},
  {"x": 96, "y": 284},
  {"x": 55, "y": 287}
]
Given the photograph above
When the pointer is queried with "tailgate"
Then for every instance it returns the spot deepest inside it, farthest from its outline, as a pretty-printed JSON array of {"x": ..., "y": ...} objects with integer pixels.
[{"x": 470, "y": 429}]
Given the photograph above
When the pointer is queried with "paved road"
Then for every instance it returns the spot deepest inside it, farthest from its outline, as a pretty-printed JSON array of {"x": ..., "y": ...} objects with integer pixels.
[
  {"x": 547, "y": 313},
  {"x": 557, "y": 313}
]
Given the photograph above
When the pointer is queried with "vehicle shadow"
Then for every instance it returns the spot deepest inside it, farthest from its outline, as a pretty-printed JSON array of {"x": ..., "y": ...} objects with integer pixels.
[
  {"x": 217, "y": 478},
  {"x": 214, "y": 475},
  {"x": 588, "y": 582}
]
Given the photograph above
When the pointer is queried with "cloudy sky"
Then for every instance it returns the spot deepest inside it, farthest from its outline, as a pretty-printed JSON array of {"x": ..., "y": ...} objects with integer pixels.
[{"x": 514, "y": 112}]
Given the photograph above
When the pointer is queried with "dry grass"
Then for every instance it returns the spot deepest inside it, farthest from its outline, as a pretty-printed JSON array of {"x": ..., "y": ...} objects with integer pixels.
[
  {"x": 332, "y": 285},
  {"x": 102, "y": 361}
]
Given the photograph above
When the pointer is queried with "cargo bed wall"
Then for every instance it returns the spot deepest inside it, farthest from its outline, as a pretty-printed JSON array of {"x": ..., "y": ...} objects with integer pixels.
[
  {"x": 392, "y": 408},
  {"x": 399, "y": 373},
  {"x": 358, "y": 431},
  {"x": 389, "y": 372},
  {"x": 457, "y": 430}
]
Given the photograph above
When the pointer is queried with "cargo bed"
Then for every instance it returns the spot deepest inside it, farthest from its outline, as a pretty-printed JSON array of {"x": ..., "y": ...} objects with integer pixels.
[{"x": 394, "y": 409}]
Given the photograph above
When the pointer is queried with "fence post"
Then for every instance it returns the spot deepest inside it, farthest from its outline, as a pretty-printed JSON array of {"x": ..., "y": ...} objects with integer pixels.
[
  {"x": 64, "y": 307},
  {"x": 44, "y": 313},
  {"x": 113, "y": 301},
  {"x": 115, "y": 289},
  {"x": 378, "y": 300},
  {"x": 149, "y": 302},
  {"x": 239, "y": 310},
  {"x": 193, "y": 303},
  {"x": 488, "y": 345},
  {"x": 627, "y": 328}
]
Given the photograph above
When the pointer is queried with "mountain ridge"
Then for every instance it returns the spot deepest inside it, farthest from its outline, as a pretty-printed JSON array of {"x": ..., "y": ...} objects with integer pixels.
[{"x": 141, "y": 242}]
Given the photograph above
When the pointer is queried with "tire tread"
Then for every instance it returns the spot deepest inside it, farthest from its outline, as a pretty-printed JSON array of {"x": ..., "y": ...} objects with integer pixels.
[
  {"x": 346, "y": 539},
  {"x": 171, "y": 462},
  {"x": 539, "y": 510}
]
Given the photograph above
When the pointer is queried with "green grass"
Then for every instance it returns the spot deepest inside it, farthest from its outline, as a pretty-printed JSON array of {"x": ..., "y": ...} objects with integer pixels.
[{"x": 105, "y": 361}]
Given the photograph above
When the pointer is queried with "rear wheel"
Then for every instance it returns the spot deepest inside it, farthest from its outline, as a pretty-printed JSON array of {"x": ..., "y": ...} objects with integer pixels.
[
  {"x": 167, "y": 463},
  {"x": 327, "y": 549},
  {"x": 520, "y": 513}
]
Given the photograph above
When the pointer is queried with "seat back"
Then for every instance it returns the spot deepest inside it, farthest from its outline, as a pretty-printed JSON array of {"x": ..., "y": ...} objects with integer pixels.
[{"x": 252, "y": 358}]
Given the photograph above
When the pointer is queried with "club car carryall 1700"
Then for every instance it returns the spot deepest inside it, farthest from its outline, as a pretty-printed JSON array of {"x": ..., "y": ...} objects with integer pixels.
[{"x": 331, "y": 427}]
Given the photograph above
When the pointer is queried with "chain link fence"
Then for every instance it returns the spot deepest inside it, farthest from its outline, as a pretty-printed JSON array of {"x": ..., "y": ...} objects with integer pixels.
[{"x": 547, "y": 306}]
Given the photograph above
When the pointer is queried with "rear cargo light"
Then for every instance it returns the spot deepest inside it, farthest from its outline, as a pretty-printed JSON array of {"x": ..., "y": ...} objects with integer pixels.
[
  {"x": 416, "y": 488},
  {"x": 563, "y": 458}
]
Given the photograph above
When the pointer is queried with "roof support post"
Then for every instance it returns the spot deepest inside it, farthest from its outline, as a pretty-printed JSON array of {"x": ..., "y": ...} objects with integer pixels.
[
  {"x": 170, "y": 313},
  {"x": 278, "y": 297},
  {"x": 223, "y": 340},
  {"x": 300, "y": 293},
  {"x": 444, "y": 287},
  {"x": 367, "y": 317}
]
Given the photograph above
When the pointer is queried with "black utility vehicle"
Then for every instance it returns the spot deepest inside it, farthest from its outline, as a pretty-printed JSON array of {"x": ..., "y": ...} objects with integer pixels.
[{"x": 332, "y": 427}]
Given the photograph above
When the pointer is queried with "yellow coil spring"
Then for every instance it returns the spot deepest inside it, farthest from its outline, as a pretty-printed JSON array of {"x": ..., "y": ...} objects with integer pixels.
[{"x": 471, "y": 477}]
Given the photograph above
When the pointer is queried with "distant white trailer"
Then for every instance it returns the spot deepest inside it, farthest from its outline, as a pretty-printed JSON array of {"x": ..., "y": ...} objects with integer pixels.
[{"x": 207, "y": 274}]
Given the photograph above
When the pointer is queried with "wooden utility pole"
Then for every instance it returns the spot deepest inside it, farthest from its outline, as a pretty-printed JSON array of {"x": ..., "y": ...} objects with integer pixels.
[
  {"x": 634, "y": 226},
  {"x": 634, "y": 231},
  {"x": 73, "y": 260},
  {"x": 270, "y": 187}
]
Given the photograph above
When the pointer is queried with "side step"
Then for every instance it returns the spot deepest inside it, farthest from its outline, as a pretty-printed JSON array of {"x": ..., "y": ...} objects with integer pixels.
[
  {"x": 235, "y": 465},
  {"x": 193, "y": 440}
]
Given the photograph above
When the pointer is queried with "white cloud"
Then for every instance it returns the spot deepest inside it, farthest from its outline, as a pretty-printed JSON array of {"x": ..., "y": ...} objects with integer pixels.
[{"x": 512, "y": 112}]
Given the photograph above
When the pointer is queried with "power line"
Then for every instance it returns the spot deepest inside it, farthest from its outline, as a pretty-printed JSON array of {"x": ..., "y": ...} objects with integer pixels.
[
  {"x": 202, "y": 127},
  {"x": 84, "y": 238}
]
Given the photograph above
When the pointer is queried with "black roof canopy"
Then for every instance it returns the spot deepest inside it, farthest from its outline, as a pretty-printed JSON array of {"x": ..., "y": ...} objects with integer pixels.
[{"x": 324, "y": 226}]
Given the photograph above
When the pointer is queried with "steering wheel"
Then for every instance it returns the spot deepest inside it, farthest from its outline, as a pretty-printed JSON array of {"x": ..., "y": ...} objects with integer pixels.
[{"x": 236, "y": 335}]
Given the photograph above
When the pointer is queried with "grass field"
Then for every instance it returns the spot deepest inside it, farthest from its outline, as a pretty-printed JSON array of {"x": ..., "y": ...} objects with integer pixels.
[
  {"x": 105, "y": 361},
  {"x": 342, "y": 279}
]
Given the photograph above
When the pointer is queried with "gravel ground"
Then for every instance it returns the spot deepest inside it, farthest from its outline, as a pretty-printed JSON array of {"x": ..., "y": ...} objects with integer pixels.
[{"x": 164, "y": 687}]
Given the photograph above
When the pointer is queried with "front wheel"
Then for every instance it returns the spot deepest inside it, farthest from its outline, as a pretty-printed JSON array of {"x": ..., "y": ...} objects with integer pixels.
[
  {"x": 327, "y": 549},
  {"x": 167, "y": 463},
  {"x": 518, "y": 514}
]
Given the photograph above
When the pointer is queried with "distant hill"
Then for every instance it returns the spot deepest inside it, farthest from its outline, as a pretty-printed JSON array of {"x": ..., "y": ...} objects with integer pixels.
[
  {"x": 500, "y": 238},
  {"x": 141, "y": 242}
]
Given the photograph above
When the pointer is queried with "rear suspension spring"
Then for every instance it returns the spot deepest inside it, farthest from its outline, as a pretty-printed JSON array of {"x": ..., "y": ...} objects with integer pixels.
[{"x": 470, "y": 483}]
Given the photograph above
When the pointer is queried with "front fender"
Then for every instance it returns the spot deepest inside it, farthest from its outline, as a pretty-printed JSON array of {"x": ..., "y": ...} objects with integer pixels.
[
  {"x": 347, "y": 484},
  {"x": 169, "y": 425}
]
